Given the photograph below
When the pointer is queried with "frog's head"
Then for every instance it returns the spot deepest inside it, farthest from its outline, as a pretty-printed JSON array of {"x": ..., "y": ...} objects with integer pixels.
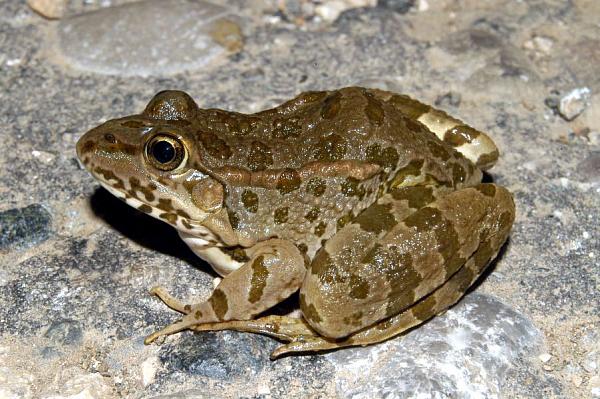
[{"x": 147, "y": 160}]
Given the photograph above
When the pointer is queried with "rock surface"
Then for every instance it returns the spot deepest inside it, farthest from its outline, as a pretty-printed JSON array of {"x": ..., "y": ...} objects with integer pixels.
[
  {"x": 465, "y": 352},
  {"x": 24, "y": 226},
  {"x": 76, "y": 264},
  {"x": 131, "y": 40}
]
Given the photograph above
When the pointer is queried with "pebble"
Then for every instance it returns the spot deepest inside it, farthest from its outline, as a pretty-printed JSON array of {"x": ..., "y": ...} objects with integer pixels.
[
  {"x": 573, "y": 103},
  {"x": 220, "y": 356},
  {"x": 51, "y": 9},
  {"x": 400, "y": 6},
  {"x": 330, "y": 10},
  {"x": 43, "y": 156},
  {"x": 149, "y": 369},
  {"x": 187, "y": 36},
  {"x": 539, "y": 44},
  {"x": 24, "y": 226},
  {"x": 545, "y": 357},
  {"x": 464, "y": 353}
]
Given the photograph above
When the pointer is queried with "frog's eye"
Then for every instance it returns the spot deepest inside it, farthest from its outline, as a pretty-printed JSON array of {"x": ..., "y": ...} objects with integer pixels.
[{"x": 165, "y": 152}]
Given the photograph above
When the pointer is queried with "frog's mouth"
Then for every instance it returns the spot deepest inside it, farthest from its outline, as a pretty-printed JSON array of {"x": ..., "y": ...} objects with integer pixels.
[{"x": 159, "y": 209}]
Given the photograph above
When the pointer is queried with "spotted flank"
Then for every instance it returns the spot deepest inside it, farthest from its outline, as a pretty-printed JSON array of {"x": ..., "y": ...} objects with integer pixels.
[
  {"x": 474, "y": 145},
  {"x": 367, "y": 204}
]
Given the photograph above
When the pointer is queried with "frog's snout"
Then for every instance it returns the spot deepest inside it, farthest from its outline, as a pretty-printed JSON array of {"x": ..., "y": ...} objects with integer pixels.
[{"x": 86, "y": 147}]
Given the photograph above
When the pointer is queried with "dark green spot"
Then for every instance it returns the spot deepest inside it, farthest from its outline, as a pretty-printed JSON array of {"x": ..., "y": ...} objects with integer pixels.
[
  {"x": 344, "y": 220},
  {"x": 386, "y": 158},
  {"x": 312, "y": 215},
  {"x": 218, "y": 301},
  {"x": 330, "y": 148},
  {"x": 352, "y": 188},
  {"x": 145, "y": 208},
  {"x": 309, "y": 312},
  {"x": 417, "y": 196},
  {"x": 331, "y": 105},
  {"x": 281, "y": 215},
  {"x": 320, "y": 229},
  {"x": 316, "y": 186},
  {"x": 250, "y": 201},
  {"x": 259, "y": 279},
  {"x": 459, "y": 135},
  {"x": 259, "y": 156},
  {"x": 374, "y": 110},
  {"x": 409, "y": 107},
  {"x": 376, "y": 218},
  {"x": 359, "y": 287},
  {"x": 489, "y": 190}
]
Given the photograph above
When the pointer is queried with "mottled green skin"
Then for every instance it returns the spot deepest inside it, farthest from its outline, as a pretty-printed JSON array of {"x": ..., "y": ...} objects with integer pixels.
[{"x": 368, "y": 190}]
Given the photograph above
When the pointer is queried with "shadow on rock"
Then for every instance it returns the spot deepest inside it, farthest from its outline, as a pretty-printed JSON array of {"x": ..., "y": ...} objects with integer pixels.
[{"x": 143, "y": 229}]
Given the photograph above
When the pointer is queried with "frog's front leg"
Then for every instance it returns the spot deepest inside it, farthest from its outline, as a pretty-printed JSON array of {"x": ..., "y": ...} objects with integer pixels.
[{"x": 274, "y": 271}]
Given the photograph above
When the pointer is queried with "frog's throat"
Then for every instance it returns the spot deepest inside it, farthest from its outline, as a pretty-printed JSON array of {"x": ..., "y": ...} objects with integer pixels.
[{"x": 173, "y": 217}]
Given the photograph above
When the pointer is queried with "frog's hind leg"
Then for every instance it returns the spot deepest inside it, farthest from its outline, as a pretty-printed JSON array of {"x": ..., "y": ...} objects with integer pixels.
[
  {"x": 275, "y": 271},
  {"x": 475, "y": 145},
  {"x": 438, "y": 301},
  {"x": 490, "y": 232},
  {"x": 384, "y": 263}
]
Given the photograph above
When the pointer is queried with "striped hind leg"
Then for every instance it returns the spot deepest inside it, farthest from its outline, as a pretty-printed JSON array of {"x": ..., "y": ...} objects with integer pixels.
[{"x": 438, "y": 301}]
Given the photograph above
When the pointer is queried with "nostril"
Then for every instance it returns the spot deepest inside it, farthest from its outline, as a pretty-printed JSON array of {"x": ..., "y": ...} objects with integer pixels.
[{"x": 110, "y": 138}]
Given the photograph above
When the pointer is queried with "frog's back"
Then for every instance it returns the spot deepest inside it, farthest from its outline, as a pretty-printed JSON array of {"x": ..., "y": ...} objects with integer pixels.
[
  {"x": 345, "y": 124},
  {"x": 303, "y": 169}
]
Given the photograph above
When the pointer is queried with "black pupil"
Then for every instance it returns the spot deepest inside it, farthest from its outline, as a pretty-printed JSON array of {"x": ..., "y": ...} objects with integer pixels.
[{"x": 163, "y": 151}]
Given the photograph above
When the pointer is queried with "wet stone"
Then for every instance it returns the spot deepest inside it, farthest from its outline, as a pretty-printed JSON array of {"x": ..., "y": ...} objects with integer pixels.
[
  {"x": 24, "y": 226},
  {"x": 188, "y": 35},
  {"x": 218, "y": 355},
  {"x": 465, "y": 353}
]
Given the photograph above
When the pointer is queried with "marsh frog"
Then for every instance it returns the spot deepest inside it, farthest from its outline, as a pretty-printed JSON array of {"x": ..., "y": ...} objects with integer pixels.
[{"x": 368, "y": 203}]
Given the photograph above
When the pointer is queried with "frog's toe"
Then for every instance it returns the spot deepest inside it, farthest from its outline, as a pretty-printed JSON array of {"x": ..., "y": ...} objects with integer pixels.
[
  {"x": 185, "y": 323},
  {"x": 304, "y": 344},
  {"x": 169, "y": 300},
  {"x": 170, "y": 329}
]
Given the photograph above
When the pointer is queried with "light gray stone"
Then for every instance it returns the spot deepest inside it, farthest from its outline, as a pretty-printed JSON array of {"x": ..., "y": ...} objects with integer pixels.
[
  {"x": 464, "y": 353},
  {"x": 574, "y": 102},
  {"x": 144, "y": 38}
]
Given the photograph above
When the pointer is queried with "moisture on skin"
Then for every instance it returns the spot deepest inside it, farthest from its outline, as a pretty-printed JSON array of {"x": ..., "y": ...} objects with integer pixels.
[{"x": 369, "y": 203}]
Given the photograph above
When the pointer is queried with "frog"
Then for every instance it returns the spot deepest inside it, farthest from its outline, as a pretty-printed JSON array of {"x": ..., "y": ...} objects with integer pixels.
[{"x": 364, "y": 206}]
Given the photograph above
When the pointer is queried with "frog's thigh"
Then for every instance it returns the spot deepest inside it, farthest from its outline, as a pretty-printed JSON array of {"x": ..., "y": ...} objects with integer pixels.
[
  {"x": 275, "y": 270},
  {"x": 475, "y": 145},
  {"x": 382, "y": 264},
  {"x": 442, "y": 298}
]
